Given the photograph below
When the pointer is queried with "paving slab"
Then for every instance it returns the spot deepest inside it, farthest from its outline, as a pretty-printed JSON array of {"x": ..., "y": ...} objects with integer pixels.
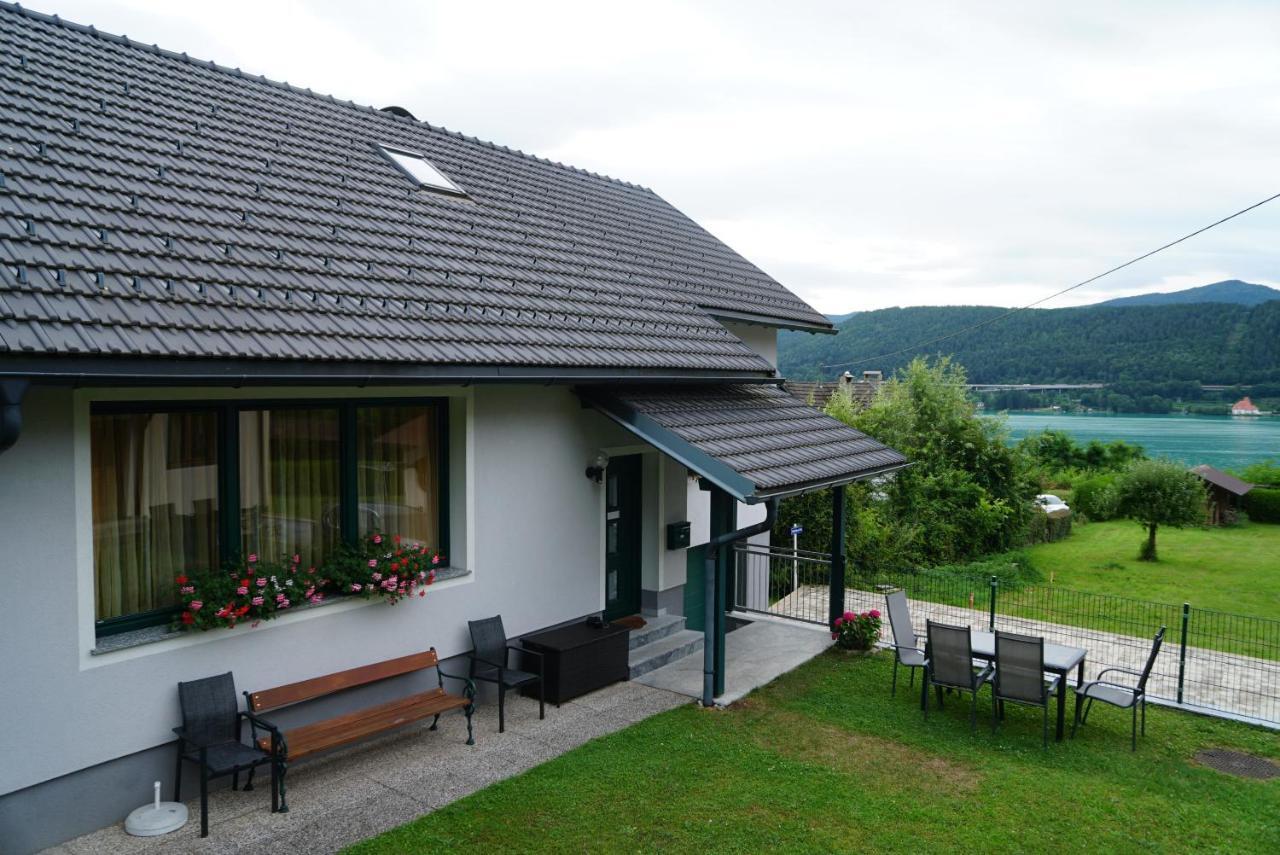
[{"x": 371, "y": 787}]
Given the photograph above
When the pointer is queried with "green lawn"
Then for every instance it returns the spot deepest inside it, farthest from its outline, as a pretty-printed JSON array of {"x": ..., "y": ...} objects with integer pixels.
[
  {"x": 825, "y": 760},
  {"x": 1231, "y": 569}
]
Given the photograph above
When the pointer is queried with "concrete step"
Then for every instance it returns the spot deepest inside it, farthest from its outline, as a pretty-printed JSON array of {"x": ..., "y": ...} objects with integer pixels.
[
  {"x": 655, "y": 628},
  {"x": 664, "y": 651}
]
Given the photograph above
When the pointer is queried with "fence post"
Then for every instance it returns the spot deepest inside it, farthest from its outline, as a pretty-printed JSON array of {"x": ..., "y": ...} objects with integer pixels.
[
  {"x": 1182, "y": 649},
  {"x": 992, "y": 622}
]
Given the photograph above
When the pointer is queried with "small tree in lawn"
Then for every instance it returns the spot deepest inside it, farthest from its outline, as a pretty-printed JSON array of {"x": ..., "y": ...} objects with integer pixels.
[{"x": 1156, "y": 493}]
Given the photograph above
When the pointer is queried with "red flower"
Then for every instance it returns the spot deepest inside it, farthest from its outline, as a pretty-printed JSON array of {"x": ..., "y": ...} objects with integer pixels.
[
  {"x": 396, "y": 539},
  {"x": 188, "y": 618},
  {"x": 182, "y": 580}
]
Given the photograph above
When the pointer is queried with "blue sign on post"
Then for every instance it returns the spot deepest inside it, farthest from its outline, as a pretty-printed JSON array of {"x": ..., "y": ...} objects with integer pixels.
[{"x": 797, "y": 529}]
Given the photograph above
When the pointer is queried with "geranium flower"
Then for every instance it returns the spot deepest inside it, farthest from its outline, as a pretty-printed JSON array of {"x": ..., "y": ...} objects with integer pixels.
[
  {"x": 257, "y": 601},
  {"x": 874, "y": 613},
  {"x": 188, "y": 589},
  {"x": 373, "y": 562},
  {"x": 356, "y": 586},
  {"x": 262, "y": 581},
  {"x": 196, "y": 605},
  {"x": 396, "y": 540},
  {"x": 182, "y": 580},
  {"x": 242, "y": 590},
  {"x": 253, "y": 558},
  {"x": 849, "y": 615},
  {"x": 377, "y": 577},
  {"x": 377, "y": 538},
  {"x": 188, "y": 618},
  {"x": 297, "y": 559}
]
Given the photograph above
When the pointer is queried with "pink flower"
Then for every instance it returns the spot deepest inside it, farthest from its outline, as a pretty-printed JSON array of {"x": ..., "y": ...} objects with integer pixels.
[
  {"x": 835, "y": 636},
  {"x": 242, "y": 590},
  {"x": 435, "y": 559},
  {"x": 297, "y": 559},
  {"x": 196, "y": 605},
  {"x": 356, "y": 586},
  {"x": 257, "y": 601},
  {"x": 874, "y": 613},
  {"x": 279, "y": 597},
  {"x": 377, "y": 577},
  {"x": 262, "y": 581},
  {"x": 839, "y": 622},
  {"x": 188, "y": 589},
  {"x": 253, "y": 558},
  {"x": 377, "y": 538},
  {"x": 849, "y": 615},
  {"x": 373, "y": 562}
]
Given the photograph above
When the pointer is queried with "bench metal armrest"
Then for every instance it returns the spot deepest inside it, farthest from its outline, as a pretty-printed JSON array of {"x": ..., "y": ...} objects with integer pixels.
[{"x": 469, "y": 690}]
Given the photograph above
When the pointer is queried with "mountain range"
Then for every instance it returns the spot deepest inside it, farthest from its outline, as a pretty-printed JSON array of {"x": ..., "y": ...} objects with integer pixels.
[{"x": 1218, "y": 333}]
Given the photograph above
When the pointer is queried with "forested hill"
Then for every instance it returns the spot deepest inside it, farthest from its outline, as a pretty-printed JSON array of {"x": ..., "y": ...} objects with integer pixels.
[{"x": 1208, "y": 342}]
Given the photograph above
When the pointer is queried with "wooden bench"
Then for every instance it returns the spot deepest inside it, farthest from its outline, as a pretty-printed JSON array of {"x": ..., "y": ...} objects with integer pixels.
[{"x": 307, "y": 739}]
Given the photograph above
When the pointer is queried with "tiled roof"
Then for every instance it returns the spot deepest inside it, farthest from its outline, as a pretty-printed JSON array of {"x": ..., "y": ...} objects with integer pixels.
[
  {"x": 1218, "y": 478},
  {"x": 755, "y": 441},
  {"x": 153, "y": 205},
  {"x": 818, "y": 393}
]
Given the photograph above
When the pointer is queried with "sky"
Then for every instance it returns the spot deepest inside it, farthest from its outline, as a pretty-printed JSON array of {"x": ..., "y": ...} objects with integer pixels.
[{"x": 865, "y": 154}]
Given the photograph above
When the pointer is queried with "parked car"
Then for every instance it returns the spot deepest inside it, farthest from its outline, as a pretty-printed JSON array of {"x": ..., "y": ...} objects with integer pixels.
[{"x": 1049, "y": 502}]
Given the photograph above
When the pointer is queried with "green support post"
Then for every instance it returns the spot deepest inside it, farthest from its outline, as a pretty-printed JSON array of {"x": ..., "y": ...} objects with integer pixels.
[
  {"x": 1182, "y": 648},
  {"x": 835, "y": 601},
  {"x": 991, "y": 620}
]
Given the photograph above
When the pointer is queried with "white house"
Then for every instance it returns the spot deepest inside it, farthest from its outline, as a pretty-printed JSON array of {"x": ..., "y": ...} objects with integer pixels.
[{"x": 237, "y": 316}]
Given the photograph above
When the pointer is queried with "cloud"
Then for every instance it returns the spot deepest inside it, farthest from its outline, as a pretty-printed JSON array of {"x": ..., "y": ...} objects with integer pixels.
[{"x": 866, "y": 154}]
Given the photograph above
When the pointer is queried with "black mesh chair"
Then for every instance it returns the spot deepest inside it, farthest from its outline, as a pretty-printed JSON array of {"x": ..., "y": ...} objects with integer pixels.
[
  {"x": 489, "y": 663},
  {"x": 1119, "y": 694},
  {"x": 1020, "y": 678},
  {"x": 906, "y": 644},
  {"x": 210, "y": 737},
  {"x": 948, "y": 664}
]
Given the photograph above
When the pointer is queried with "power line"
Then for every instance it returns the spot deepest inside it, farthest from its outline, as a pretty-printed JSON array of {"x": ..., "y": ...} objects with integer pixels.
[{"x": 1014, "y": 311}]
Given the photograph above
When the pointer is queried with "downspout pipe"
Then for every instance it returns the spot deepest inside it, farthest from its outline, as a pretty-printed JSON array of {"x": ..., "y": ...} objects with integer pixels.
[
  {"x": 11, "y": 394},
  {"x": 709, "y": 584}
]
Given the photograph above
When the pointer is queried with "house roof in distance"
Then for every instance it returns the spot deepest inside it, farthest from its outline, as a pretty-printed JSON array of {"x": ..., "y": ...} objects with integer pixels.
[
  {"x": 156, "y": 206},
  {"x": 1218, "y": 478},
  {"x": 753, "y": 441}
]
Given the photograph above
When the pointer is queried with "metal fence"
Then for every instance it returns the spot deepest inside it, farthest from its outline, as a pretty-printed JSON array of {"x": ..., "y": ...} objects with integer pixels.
[{"x": 1211, "y": 661}]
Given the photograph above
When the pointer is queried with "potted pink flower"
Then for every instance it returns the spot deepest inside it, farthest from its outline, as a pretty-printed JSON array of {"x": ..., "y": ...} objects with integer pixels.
[{"x": 856, "y": 630}]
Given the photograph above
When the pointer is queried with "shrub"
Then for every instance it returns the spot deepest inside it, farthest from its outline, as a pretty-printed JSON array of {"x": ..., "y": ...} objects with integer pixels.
[
  {"x": 1094, "y": 499},
  {"x": 1047, "y": 528},
  {"x": 1263, "y": 505},
  {"x": 853, "y": 631}
]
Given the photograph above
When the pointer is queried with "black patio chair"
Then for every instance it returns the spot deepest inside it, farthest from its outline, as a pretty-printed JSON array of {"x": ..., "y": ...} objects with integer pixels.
[
  {"x": 1120, "y": 695},
  {"x": 948, "y": 664},
  {"x": 906, "y": 644},
  {"x": 1020, "y": 678},
  {"x": 210, "y": 737},
  {"x": 489, "y": 663}
]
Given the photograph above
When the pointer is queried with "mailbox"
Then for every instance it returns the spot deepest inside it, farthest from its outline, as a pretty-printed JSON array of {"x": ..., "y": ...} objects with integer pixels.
[{"x": 678, "y": 535}]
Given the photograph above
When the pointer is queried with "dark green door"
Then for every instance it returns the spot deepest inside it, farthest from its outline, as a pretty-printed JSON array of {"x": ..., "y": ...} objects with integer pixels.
[{"x": 622, "y": 537}]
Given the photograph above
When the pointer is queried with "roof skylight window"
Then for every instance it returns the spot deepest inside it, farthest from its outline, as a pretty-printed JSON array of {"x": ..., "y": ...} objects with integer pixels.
[{"x": 417, "y": 167}]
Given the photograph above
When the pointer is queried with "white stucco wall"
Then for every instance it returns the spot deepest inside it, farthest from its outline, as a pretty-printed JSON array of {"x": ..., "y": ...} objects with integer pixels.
[
  {"x": 762, "y": 339},
  {"x": 525, "y": 521}
]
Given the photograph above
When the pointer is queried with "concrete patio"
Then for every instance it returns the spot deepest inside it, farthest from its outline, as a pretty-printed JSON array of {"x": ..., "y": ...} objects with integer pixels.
[
  {"x": 755, "y": 654},
  {"x": 373, "y": 786}
]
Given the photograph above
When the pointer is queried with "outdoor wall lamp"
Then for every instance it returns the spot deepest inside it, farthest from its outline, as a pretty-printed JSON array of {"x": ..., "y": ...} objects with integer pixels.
[{"x": 595, "y": 470}]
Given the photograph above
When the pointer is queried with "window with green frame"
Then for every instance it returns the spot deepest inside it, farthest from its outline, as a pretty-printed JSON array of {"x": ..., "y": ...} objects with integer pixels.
[{"x": 177, "y": 486}]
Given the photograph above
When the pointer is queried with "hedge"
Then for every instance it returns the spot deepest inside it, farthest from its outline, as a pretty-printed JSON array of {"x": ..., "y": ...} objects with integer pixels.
[{"x": 1263, "y": 504}]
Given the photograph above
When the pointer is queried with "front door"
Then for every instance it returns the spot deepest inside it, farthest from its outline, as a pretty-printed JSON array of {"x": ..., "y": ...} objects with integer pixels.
[{"x": 622, "y": 537}]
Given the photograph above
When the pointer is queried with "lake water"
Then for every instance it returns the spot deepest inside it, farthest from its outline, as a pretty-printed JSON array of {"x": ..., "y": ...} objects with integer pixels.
[{"x": 1224, "y": 442}]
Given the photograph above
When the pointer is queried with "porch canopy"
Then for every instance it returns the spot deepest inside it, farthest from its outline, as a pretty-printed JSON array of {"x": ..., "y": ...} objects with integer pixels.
[{"x": 754, "y": 441}]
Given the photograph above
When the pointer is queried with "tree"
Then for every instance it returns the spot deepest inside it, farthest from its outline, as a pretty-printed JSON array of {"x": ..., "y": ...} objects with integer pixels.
[
  {"x": 967, "y": 492},
  {"x": 1156, "y": 493}
]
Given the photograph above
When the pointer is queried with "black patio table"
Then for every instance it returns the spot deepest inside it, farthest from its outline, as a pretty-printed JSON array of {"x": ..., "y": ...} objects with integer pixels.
[{"x": 1059, "y": 659}]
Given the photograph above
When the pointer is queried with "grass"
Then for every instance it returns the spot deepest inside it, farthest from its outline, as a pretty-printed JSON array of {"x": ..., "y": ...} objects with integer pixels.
[
  {"x": 824, "y": 760},
  {"x": 1230, "y": 569}
]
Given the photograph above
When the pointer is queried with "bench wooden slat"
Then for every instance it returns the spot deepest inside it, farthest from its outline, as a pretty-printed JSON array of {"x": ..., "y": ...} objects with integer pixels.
[
  {"x": 305, "y": 690},
  {"x": 333, "y": 732}
]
